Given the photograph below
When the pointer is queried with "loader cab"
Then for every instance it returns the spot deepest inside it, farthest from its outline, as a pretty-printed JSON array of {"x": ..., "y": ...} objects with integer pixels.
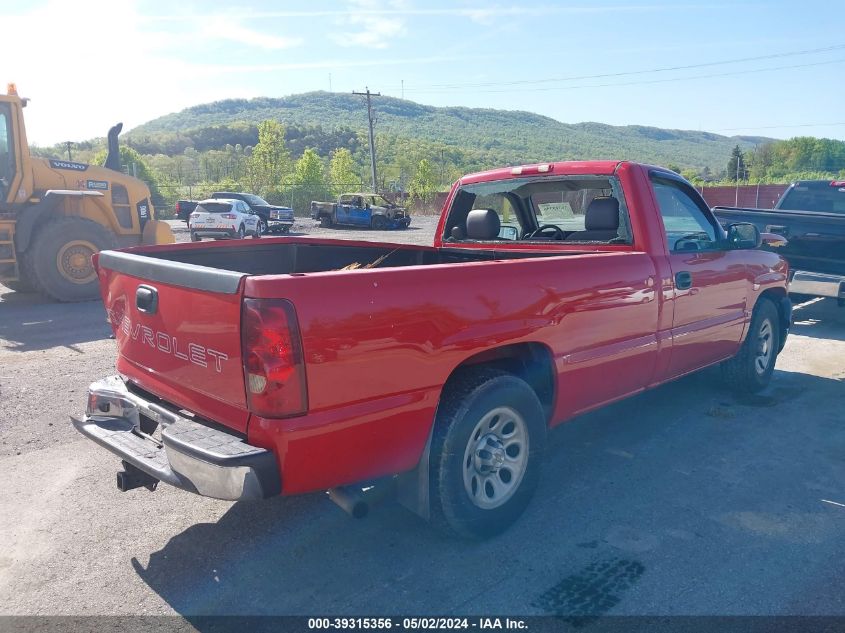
[{"x": 7, "y": 152}]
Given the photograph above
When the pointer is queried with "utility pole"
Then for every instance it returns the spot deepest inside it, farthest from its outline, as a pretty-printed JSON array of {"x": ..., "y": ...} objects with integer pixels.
[
  {"x": 369, "y": 94},
  {"x": 69, "y": 155},
  {"x": 330, "y": 82},
  {"x": 403, "y": 88}
]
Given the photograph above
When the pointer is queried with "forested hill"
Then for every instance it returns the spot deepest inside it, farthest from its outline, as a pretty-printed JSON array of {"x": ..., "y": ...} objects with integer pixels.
[{"x": 492, "y": 136}]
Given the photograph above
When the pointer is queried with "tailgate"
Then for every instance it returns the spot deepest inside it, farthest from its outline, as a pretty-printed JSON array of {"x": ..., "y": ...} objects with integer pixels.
[{"x": 177, "y": 328}]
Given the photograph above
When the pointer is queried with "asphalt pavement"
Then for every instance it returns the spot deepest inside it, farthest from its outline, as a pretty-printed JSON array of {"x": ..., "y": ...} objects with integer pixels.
[{"x": 684, "y": 500}]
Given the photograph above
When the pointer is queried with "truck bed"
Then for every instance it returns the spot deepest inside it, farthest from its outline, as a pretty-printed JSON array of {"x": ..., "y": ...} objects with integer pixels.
[{"x": 292, "y": 256}]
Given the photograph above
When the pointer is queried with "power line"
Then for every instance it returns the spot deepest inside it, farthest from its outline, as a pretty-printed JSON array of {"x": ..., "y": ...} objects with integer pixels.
[
  {"x": 773, "y": 127},
  {"x": 654, "y": 81},
  {"x": 425, "y": 87}
]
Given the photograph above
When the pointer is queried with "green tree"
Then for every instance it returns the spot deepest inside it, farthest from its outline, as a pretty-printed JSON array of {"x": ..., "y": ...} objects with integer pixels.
[
  {"x": 343, "y": 174},
  {"x": 424, "y": 183},
  {"x": 270, "y": 161},
  {"x": 309, "y": 182},
  {"x": 736, "y": 166}
]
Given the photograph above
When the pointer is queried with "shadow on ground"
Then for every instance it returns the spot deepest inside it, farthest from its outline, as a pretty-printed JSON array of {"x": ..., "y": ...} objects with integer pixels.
[
  {"x": 29, "y": 322},
  {"x": 819, "y": 318},
  {"x": 681, "y": 500}
]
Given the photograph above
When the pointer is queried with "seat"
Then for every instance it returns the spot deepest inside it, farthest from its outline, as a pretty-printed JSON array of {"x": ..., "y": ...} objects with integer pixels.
[
  {"x": 483, "y": 224},
  {"x": 601, "y": 221}
]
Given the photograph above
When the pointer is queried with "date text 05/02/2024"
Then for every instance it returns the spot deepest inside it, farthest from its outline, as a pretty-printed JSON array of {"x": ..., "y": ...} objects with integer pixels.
[{"x": 423, "y": 623}]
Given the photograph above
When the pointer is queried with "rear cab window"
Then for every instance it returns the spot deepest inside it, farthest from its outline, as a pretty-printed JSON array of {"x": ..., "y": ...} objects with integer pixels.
[
  {"x": 824, "y": 196},
  {"x": 546, "y": 209}
]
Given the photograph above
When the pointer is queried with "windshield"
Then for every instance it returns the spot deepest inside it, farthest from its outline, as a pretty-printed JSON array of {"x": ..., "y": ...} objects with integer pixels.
[
  {"x": 255, "y": 200},
  {"x": 816, "y": 196}
]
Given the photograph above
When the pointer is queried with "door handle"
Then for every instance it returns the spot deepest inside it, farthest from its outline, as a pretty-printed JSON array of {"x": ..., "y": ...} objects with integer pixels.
[
  {"x": 683, "y": 280},
  {"x": 146, "y": 299}
]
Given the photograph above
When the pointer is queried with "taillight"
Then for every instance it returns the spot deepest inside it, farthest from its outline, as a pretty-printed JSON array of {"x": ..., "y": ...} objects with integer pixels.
[
  {"x": 274, "y": 367},
  {"x": 229, "y": 216}
]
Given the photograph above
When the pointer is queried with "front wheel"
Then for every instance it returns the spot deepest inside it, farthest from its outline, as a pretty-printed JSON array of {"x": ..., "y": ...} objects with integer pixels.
[
  {"x": 486, "y": 452},
  {"x": 379, "y": 222},
  {"x": 241, "y": 232},
  {"x": 325, "y": 221},
  {"x": 751, "y": 369},
  {"x": 58, "y": 261}
]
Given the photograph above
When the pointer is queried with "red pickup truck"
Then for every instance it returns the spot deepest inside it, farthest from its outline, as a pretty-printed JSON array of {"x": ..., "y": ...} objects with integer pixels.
[{"x": 290, "y": 365}]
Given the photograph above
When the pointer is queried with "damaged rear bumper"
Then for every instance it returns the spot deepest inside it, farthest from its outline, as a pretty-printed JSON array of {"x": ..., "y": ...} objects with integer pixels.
[{"x": 178, "y": 451}]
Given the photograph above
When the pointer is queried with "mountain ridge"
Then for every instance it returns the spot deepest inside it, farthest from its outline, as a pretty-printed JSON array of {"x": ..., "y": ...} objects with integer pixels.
[{"x": 503, "y": 135}]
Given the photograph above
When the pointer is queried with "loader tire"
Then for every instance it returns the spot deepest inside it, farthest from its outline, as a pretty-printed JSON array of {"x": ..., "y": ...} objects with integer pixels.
[{"x": 58, "y": 260}]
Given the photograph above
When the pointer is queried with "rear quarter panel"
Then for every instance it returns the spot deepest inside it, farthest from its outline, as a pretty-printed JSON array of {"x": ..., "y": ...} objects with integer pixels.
[{"x": 379, "y": 345}]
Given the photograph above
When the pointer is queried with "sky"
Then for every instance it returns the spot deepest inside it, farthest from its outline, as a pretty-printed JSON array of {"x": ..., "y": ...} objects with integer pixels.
[{"x": 772, "y": 69}]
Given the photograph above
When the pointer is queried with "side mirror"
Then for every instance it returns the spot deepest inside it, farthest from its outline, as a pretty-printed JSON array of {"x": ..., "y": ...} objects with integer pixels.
[
  {"x": 743, "y": 235},
  {"x": 507, "y": 232}
]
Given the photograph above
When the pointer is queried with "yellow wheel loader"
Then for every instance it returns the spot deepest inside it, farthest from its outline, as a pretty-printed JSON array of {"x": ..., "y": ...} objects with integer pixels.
[{"x": 55, "y": 214}]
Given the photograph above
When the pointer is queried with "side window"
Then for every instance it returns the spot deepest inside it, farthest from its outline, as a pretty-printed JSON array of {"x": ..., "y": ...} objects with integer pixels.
[
  {"x": 686, "y": 225},
  {"x": 6, "y": 154},
  {"x": 120, "y": 204}
]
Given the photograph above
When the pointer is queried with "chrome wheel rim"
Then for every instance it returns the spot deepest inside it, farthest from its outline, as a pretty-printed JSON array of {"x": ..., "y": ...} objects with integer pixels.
[
  {"x": 764, "y": 347},
  {"x": 495, "y": 458}
]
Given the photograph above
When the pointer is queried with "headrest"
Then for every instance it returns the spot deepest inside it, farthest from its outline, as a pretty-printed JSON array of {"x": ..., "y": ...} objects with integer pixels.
[
  {"x": 483, "y": 224},
  {"x": 602, "y": 214}
]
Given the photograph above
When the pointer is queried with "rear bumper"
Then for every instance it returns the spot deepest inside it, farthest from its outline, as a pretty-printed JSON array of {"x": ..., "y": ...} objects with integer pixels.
[
  {"x": 279, "y": 224},
  {"x": 232, "y": 233},
  {"x": 817, "y": 284},
  {"x": 189, "y": 455}
]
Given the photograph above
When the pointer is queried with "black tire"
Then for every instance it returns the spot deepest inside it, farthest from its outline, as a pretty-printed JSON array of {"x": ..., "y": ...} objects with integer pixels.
[
  {"x": 69, "y": 239},
  {"x": 459, "y": 489},
  {"x": 285, "y": 230},
  {"x": 751, "y": 369},
  {"x": 378, "y": 222},
  {"x": 325, "y": 221},
  {"x": 258, "y": 232},
  {"x": 21, "y": 285},
  {"x": 241, "y": 232},
  {"x": 195, "y": 237},
  {"x": 261, "y": 227}
]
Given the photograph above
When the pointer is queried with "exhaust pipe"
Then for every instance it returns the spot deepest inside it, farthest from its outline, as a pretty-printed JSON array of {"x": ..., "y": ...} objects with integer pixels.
[
  {"x": 351, "y": 501},
  {"x": 132, "y": 477},
  {"x": 113, "y": 157}
]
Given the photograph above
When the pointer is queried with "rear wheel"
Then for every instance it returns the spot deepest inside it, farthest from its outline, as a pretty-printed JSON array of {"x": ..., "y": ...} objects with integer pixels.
[
  {"x": 751, "y": 369},
  {"x": 58, "y": 261},
  {"x": 325, "y": 221},
  {"x": 486, "y": 452},
  {"x": 195, "y": 237},
  {"x": 379, "y": 222}
]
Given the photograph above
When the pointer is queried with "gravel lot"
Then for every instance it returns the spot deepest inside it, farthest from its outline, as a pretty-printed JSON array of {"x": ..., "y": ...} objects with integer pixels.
[
  {"x": 421, "y": 231},
  {"x": 684, "y": 500}
]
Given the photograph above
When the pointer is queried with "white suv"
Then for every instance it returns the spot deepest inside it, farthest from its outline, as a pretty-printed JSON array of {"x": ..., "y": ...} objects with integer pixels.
[{"x": 223, "y": 218}]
